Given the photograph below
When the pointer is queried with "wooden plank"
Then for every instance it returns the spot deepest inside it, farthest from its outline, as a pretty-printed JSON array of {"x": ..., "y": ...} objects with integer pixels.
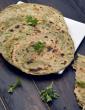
[
  {"x": 80, "y": 4},
  {"x": 3, "y": 104}
]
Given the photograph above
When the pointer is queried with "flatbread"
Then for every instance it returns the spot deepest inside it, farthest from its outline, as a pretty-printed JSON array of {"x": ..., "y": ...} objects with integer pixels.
[
  {"x": 16, "y": 35},
  {"x": 17, "y": 13},
  {"x": 53, "y": 58},
  {"x": 79, "y": 66}
]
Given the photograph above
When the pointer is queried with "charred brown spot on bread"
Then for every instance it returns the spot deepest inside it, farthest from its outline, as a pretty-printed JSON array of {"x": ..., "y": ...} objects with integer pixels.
[
  {"x": 23, "y": 24},
  {"x": 32, "y": 43},
  {"x": 17, "y": 26},
  {"x": 64, "y": 62},
  {"x": 2, "y": 28},
  {"x": 30, "y": 61},
  {"x": 56, "y": 41},
  {"x": 68, "y": 39},
  {"x": 35, "y": 70},
  {"x": 27, "y": 50},
  {"x": 49, "y": 48},
  {"x": 41, "y": 7},
  {"x": 49, "y": 32},
  {"x": 54, "y": 60},
  {"x": 51, "y": 22},
  {"x": 62, "y": 31},
  {"x": 71, "y": 47},
  {"x": 51, "y": 40},
  {"x": 62, "y": 54},
  {"x": 16, "y": 59},
  {"x": 82, "y": 69},
  {"x": 27, "y": 34},
  {"x": 45, "y": 36},
  {"x": 67, "y": 43},
  {"x": 11, "y": 30}
]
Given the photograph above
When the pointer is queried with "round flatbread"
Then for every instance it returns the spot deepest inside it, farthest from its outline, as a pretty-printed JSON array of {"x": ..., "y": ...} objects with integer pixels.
[
  {"x": 36, "y": 39},
  {"x": 17, "y": 13},
  {"x": 54, "y": 56},
  {"x": 79, "y": 66}
]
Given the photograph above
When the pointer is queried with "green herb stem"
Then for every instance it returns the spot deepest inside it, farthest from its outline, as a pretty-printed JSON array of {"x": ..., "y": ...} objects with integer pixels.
[
  {"x": 12, "y": 87},
  {"x": 48, "y": 94}
]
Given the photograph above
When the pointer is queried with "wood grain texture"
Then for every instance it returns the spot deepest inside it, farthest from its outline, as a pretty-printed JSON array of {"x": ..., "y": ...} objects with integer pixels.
[
  {"x": 81, "y": 5},
  {"x": 27, "y": 97}
]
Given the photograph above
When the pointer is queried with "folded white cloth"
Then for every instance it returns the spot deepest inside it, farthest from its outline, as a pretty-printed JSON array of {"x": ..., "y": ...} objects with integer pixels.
[{"x": 76, "y": 30}]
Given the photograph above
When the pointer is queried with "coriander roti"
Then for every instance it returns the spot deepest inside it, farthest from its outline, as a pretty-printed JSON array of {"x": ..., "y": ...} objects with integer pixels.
[
  {"x": 35, "y": 39},
  {"x": 41, "y": 55},
  {"x": 17, "y": 13},
  {"x": 79, "y": 66}
]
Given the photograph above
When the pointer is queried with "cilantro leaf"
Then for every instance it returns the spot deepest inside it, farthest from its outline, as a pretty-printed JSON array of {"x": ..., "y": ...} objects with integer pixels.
[
  {"x": 39, "y": 46},
  {"x": 48, "y": 94},
  {"x": 12, "y": 87},
  {"x": 31, "y": 21}
]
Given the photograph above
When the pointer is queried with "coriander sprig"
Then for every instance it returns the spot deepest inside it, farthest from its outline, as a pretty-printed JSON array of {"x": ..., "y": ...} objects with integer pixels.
[
  {"x": 48, "y": 94},
  {"x": 31, "y": 21},
  {"x": 38, "y": 46},
  {"x": 12, "y": 87}
]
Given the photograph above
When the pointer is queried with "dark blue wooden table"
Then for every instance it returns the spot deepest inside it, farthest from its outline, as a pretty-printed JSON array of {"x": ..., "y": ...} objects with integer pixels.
[{"x": 27, "y": 97}]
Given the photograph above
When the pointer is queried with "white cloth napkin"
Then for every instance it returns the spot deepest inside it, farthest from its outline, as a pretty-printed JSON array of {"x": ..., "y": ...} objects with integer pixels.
[{"x": 76, "y": 30}]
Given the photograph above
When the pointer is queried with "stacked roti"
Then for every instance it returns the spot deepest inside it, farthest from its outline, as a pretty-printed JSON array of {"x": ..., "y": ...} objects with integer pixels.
[
  {"x": 79, "y": 66},
  {"x": 35, "y": 39}
]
